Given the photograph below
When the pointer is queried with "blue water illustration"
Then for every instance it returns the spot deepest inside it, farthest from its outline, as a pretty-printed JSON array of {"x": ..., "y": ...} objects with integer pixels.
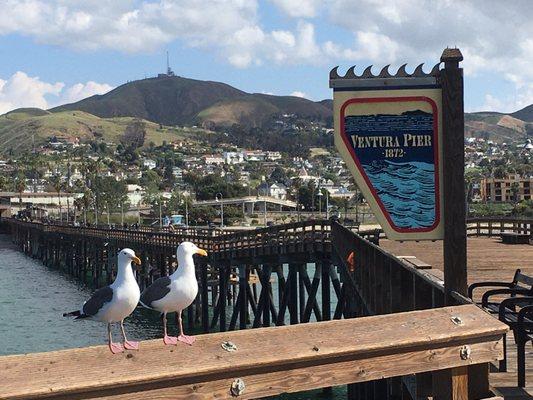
[{"x": 407, "y": 190}]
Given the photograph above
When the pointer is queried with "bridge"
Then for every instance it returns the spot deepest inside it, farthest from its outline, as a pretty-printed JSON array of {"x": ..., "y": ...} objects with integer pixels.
[
  {"x": 313, "y": 271},
  {"x": 248, "y": 203}
]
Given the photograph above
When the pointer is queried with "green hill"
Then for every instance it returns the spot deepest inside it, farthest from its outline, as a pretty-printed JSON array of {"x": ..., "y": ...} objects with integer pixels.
[
  {"x": 525, "y": 114},
  {"x": 20, "y": 129},
  {"x": 176, "y": 101},
  {"x": 173, "y": 100}
]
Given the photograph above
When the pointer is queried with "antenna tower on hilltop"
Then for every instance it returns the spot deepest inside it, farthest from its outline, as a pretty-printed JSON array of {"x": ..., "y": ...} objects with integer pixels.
[{"x": 169, "y": 70}]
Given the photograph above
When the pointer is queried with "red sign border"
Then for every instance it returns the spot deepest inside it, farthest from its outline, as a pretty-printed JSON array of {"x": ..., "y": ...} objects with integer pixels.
[{"x": 435, "y": 155}]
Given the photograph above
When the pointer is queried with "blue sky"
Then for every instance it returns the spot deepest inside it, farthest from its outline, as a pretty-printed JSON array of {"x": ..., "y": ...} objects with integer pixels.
[{"x": 57, "y": 51}]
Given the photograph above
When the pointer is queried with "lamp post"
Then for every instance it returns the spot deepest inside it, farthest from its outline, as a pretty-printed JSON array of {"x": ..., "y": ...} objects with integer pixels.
[
  {"x": 186, "y": 213},
  {"x": 327, "y": 204},
  {"x": 160, "y": 214},
  {"x": 137, "y": 191},
  {"x": 218, "y": 199},
  {"x": 319, "y": 202}
]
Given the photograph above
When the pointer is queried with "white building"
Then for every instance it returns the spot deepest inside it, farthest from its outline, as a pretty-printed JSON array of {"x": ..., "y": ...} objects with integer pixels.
[
  {"x": 233, "y": 157},
  {"x": 254, "y": 155},
  {"x": 213, "y": 159},
  {"x": 135, "y": 194},
  {"x": 150, "y": 164},
  {"x": 276, "y": 190},
  {"x": 273, "y": 155}
]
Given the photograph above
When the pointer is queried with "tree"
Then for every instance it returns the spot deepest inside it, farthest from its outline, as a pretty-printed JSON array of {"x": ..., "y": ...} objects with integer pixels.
[
  {"x": 57, "y": 184},
  {"x": 278, "y": 175},
  {"x": 150, "y": 180},
  {"x": 20, "y": 185},
  {"x": 112, "y": 194},
  {"x": 134, "y": 134},
  {"x": 209, "y": 186}
]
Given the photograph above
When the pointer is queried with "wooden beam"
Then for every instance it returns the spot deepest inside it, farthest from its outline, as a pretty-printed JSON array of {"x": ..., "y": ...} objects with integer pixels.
[
  {"x": 455, "y": 270},
  {"x": 269, "y": 360},
  {"x": 451, "y": 384}
]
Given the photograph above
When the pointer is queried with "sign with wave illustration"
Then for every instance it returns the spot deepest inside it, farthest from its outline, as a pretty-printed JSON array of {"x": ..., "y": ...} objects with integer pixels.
[{"x": 390, "y": 141}]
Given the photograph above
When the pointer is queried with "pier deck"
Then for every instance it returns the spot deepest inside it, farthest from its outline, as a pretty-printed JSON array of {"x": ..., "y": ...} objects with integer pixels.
[{"x": 488, "y": 260}]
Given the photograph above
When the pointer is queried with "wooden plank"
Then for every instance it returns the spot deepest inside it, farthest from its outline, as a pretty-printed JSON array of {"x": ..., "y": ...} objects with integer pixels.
[
  {"x": 268, "y": 383},
  {"x": 280, "y": 359}
]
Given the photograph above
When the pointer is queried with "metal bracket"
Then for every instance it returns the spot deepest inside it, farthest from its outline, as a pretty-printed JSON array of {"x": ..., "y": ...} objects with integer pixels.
[
  {"x": 237, "y": 387},
  {"x": 465, "y": 352},
  {"x": 457, "y": 320},
  {"x": 229, "y": 346}
]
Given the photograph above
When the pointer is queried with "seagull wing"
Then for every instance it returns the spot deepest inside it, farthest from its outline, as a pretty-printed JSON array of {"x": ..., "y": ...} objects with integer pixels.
[
  {"x": 156, "y": 291},
  {"x": 97, "y": 301}
]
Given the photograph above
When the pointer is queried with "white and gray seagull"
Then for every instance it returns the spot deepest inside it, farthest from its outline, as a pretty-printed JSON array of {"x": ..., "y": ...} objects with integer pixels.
[
  {"x": 176, "y": 292},
  {"x": 115, "y": 302}
]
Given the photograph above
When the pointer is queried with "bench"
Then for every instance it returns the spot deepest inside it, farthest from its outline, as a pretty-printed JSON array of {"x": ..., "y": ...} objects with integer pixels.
[
  {"x": 523, "y": 333},
  {"x": 521, "y": 286},
  {"x": 515, "y": 238}
]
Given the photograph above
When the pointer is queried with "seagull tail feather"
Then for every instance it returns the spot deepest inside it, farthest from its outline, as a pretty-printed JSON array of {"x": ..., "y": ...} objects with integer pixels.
[{"x": 76, "y": 313}]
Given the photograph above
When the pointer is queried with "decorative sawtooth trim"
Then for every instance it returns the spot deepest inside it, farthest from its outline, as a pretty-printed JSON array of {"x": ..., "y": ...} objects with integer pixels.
[{"x": 384, "y": 73}]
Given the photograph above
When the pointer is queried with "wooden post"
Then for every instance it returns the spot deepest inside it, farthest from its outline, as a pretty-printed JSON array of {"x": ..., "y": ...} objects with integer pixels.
[
  {"x": 451, "y": 384},
  {"x": 455, "y": 273}
]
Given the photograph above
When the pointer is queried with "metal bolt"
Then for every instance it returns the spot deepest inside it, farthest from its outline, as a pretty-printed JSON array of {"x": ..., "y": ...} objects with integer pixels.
[
  {"x": 229, "y": 346},
  {"x": 457, "y": 320},
  {"x": 465, "y": 352},
  {"x": 237, "y": 387}
]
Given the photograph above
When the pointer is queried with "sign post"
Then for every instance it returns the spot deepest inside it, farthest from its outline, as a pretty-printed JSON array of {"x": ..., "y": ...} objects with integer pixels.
[
  {"x": 402, "y": 138},
  {"x": 455, "y": 261}
]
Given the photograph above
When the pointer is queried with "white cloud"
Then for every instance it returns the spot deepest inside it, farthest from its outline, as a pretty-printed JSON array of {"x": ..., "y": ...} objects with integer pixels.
[
  {"x": 231, "y": 27},
  {"x": 298, "y": 8},
  {"x": 493, "y": 35},
  {"x": 80, "y": 91},
  {"x": 297, "y": 93},
  {"x": 507, "y": 104},
  {"x": 21, "y": 90}
]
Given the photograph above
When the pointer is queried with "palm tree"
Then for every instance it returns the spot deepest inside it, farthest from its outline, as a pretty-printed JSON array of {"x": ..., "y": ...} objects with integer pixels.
[
  {"x": 20, "y": 185},
  {"x": 56, "y": 183}
]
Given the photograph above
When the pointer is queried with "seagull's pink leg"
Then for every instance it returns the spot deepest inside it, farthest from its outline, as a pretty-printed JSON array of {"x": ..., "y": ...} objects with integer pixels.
[
  {"x": 128, "y": 344},
  {"x": 182, "y": 337},
  {"x": 114, "y": 347},
  {"x": 168, "y": 340}
]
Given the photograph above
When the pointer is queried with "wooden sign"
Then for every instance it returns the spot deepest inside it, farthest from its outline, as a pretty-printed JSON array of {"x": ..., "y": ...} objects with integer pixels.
[{"x": 388, "y": 131}]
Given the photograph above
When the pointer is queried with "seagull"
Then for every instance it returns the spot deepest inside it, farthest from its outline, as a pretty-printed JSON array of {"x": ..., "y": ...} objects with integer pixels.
[
  {"x": 115, "y": 302},
  {"x": 176, "y": 292}
]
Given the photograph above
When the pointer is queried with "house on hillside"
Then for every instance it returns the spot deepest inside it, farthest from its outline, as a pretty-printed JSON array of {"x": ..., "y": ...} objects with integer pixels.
[
  {"x": 213, "y": 159},
  {"x": 276, "y": 190},
  {"x": 150, "y": 164}
]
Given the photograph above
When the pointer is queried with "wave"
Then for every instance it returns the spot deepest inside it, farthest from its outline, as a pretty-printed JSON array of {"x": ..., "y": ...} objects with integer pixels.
[{"x": 407, "y": 190}]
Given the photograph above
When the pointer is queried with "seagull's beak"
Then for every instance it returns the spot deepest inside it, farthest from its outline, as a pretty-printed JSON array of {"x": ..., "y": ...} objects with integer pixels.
[
  {"x": 136, "y": 260},
  {"x": 201, "y": 252}
]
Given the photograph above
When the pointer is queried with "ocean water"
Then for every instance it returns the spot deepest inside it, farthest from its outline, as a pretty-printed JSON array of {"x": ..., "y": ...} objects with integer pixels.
[
  {"x": 406, "y": 190},
  {"x": 33, "y": 298}
]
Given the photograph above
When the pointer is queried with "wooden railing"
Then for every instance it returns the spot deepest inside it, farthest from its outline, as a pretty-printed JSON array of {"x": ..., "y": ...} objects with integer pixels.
[
  {"x": 497, "y": 226},
  {"x": 382, "y": 282},
  {"x": 252, "y": 278},
  {"x": 270, "y": 361},
  {"x": 379, "y": 283}
]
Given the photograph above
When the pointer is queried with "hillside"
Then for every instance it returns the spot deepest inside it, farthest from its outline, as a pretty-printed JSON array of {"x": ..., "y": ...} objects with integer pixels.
[
  {"x": 497, "y": 127},
  {"x": 525, "y": 114},
  {"x": 173, "y": 100},
  {"x": 20, "y": 128}
]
